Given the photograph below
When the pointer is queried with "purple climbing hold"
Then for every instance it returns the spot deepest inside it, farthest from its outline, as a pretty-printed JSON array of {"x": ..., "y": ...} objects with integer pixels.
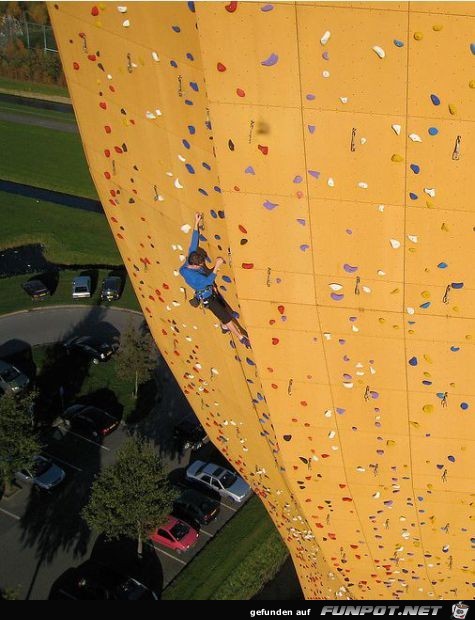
[
  {"x": 301, "y": 221},
  {"x": 298, "y": 179},
  {"x": 271, "y": 61},
  {"x": 350, "y": 268},
  {"x": 267, "y": 7},
  {"x": 176, "y": 28},
  {"x": 326, "y": 55},
  {"x": 337, "y": 296},
  {"x": 451, "y": 458},
  {"x": 314, "y": 173},
  {"x": 311, "y": 128},
  {"x": 270, "y": 205},
  {"x": 310, "y": 97},
  {"x": 249, "y": 170},
  {"x": 340, "y": 411},
  {"x": 304, "y": 247},
  {"x": 347, "y": 377},
  {"x": 374, "y": 395}
]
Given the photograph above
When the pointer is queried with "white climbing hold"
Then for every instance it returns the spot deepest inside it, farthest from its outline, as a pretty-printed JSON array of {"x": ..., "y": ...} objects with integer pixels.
[
  {"x": 335, "y": 287},
  {"x": 177, "y": 184},
  {"x": 331, "y": 434},
  {"x": 395, "y": 244},
  {"x": 331, "y": 182},
  {"x": 326, "y": 74},
  {"x": 122, "y": 9},
  {"x": 186, "y": 228},
  {"x": 396, "y": 129},
  {"x": 410, "y": 310},
  {"x": 366, "y": 289},
  {"x": 379, "y": 51},
  {"x": 327, "y": 335},
  {"x": 372, "y": 370},
  {"x": 362, "y": 140},
  {"x": 155, "y": 57},
  {"x": 160, "y": 198},
  {"x": 376, "y": 495},
  {"x": 328, "y": 413},
  {"x": 344, "y": 99},
  {"x": 363, "y": 185},
  {"x": 169, "y": 174},
  {"x": 176, "y": 304},
  {"x": 415, "y": 138},
  {"x": 429, "y": 191},
  {"x": 326, "y": 36},
  {"x": 347, "y": 384},
  {"x": 413, "y": 238},
  {"x": 181, "y": 158},
  {"x": 381, "y": 272},
  {"x": 214, "y": 371},
  {"x": 109, "y": 76},
  {"x": 182, "y": 258},
  {"x": 126, "y": 23},
  {"x": 381, "y": 208},
  {"x": 360, "y": 469},
  {"x": 150, "y": 115},
  {"x": 158, "y": 112},
  {"x": 180, "y": 247}
]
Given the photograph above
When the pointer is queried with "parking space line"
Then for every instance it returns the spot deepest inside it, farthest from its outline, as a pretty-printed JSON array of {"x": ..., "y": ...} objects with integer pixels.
[
  {"x": 94, "y": 443},
  {"x": 229, "y": 507},
  {"x": 206, "y": 533},
  {"x": 160, "y": 550},
  {"x": 56, "y": 458},
  {"x": 10, "y": 514}
]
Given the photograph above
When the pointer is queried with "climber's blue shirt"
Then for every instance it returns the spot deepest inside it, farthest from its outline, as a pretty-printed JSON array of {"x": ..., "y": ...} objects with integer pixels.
[{"x": 198, "y": 279}]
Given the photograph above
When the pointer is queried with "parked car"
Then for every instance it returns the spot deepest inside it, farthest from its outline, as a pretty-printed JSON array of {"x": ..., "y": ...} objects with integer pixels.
[
  {"x": 90, "y": 420},
  {"x": 93, "y": 581},
  {"x": 96, "y": 350},
  {"x": 194, "y": 507},
  {"x": 175, "y": 534},
  {"x": 189, "y": 433},
  {"x": 219, "y": 479},
  {"x": 43, "y": 474},
  {"x": 36, "y": 289},
  {"x": 81, "y": 287},
  {"x": 11, "y": 379},
  {"x": 111, "y": 288}
]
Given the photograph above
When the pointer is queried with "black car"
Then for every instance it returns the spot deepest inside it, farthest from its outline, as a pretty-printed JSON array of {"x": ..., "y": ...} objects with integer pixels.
[
  {"x": 96, "y": 350},
  {"x": 190, "y": 434},
  {"x": 96, "y": 582},
  {"x": 194, "y": 507},
  {"x": 36, "y": 289},
  {"x": 111, "y": 288},
  {"x": 90, "y": 420}
]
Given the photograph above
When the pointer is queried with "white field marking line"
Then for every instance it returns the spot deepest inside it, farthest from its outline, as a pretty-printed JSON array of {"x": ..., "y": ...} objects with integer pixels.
[
  {"x": 160, "y": 550},
  {"x": 56, "y": 458},
  {"x": 10, "y": 514},
  {"x": 94, "y": 443},
  {"x": 229, "y": 507},
  {"x": 206, "y": 533}
]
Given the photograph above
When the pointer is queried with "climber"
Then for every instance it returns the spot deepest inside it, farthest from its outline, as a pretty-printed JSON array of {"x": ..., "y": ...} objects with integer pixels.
[{"x": 202, "y": 280}]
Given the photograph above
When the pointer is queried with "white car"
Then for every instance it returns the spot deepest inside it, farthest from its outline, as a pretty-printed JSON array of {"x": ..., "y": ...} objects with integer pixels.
[{"x": 220, "y": 479}]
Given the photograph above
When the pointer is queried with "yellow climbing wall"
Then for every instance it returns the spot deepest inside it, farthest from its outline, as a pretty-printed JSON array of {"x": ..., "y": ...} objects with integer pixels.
[{"x": 330, "y": 147}]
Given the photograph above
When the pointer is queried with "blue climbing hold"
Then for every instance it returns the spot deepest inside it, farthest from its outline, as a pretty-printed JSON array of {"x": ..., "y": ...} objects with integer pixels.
[
  {"x": 190, "y": 56},
  {"x": 413, "y": 361},
  {"x": 451, "y": 458},
  {"x": 413, "y": 196},
  {"x": 249, "y": 170},
  {"x": 311, "y": 128},
  {"x": 176, "y": 28},
  {"x": 190, "y": 168},
  {"x": 191, "y": 129},
  {"x": 205, "y": 165},
  {"x": 442, "y": 265},
  {"x": 217, "y": 189},
  {"x": 425, "y": 305},
  {"x": 217, "y": 237},
  {"x": 398, "y": 43},
  {"x": 433, "y": 131},
  {"x": 186, "y": 144},
  {"x": 173, "y": 64},
  {"x": 227, "y": 279},
  {"x": 426, "y": 382},
  {"x": 435, "y": 100},
  {"x": 415, "y": 168},
  {"x": 472, "y": 48},
  {"x": 188, "y": 102},
  {"x": 464, "y": 406},
  {"x": 203, "y": 191},
  {"x": 455, "y": 349},
  {"x": 213, "y": 214},
  {"x": 457, "y": 285},
  {"x": 194, "y": 86},
  {"x": 191, "y": 6}
]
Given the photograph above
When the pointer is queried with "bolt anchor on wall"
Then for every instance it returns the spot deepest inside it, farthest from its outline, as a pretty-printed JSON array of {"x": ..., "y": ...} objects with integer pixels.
[
  {"x": 445, "y": 298},
  {"x": 456, "y": 151},
  {"x": 353, "y": 140}
]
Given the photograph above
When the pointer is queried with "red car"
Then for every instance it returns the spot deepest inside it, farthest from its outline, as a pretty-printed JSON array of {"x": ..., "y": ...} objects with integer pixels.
[{"x": 175, "y": 534}]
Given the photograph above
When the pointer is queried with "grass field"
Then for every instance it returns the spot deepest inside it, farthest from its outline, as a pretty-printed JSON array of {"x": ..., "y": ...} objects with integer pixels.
[
  {"x": 13, "y": 297},
  {"x": 33, "y": 87},
  {"x": 235, "y": 565},
  {"x": 44, "y": 158},
  {"x": 70, "y": 236}
]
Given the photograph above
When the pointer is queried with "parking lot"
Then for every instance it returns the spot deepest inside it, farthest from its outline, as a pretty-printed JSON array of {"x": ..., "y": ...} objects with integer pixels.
[{"x": 42, "y": 534}]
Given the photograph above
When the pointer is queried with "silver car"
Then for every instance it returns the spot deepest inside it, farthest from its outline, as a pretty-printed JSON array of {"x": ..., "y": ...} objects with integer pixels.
[
  {"x": 81, "y": 287},
  {"x": 220, "y": 479},
  {"x": 43, "y": 473},
  {"x": 12, "y": 381}
]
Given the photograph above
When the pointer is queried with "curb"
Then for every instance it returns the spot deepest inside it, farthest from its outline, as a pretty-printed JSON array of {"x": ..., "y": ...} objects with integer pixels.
[{"x": 67, "y": 306}]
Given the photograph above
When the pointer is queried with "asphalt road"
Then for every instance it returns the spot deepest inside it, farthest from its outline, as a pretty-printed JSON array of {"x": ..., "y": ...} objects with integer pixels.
[
  {"x": 46, "y": 325},
  {"x": 48, "y": 123}
]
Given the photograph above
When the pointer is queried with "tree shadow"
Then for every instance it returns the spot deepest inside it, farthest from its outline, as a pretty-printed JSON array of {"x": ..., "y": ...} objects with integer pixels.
[
  {"x": 105, "y": 399},
  {"x": 49, "y": 278},
  {"x": 20, "y": 354}
]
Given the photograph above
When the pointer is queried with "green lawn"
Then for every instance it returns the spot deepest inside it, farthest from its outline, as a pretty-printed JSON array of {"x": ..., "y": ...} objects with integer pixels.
[
  {"x": 235, "y": 565},
  {"x": 26, "y": 110},
  {"x": 13, "y": 297},
  {"x": 33, "y": 87},
  {"x": 70, "y": 236},
  {"x": 44, "y": 158}
]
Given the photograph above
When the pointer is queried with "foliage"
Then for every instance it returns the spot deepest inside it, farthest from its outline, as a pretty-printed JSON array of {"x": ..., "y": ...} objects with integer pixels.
[
  {"x": 133, "y": 496},
  {"x": 136, "y": 357},
  {"x": 257, "y": 555},
  {"x": 18, "y": 442}
]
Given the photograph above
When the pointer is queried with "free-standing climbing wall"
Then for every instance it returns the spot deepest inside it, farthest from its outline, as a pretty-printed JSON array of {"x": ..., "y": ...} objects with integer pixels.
[{"x": 330, "y": 147}]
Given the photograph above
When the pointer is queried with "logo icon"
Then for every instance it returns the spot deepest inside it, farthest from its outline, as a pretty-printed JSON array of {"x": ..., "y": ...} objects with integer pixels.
[{"x": 459, "y": 610}]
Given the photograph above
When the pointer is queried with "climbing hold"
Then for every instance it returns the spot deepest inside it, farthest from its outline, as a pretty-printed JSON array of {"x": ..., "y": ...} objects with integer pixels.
[
  {"x": 221, "y": 67},
  {"x": 247, "y": 265},
  {"x": 270, "y": 61},
  {"x": 442, "y": 265},
  {"x": 415, "y": 138},
  {"x": 413, "y": 361},
  {"x": 350, "y": 268},
  {"x": 435, "y": 100},
  {"x": 325, "y": 37},
  {"x": 472, "y": 48},
  {"x": 433, "y": 131},
  {"x": 249, "y": 170},
  {"x": 263, "y": 149},
  {"x": 379, "y": 51},
  {"x": 464, "y": 406},
  {"x": 418, "y": 36},
  {"x": 231, "y": 7},
  {"x": 240, "y": 92},
  {"x": 337, "y": 296},
  {"x": 452, "y": 109},
  {"x": 415, "y": 168},
  {"x": 457, "y": 285},
  {"x": 398, "y": 43},
  {"x": 395, "y": 244},
  {"x": 287, "y": 437},
  {"x": 428, "y": 408},
  {"x": 267, "y": 7},
  {"x": 397, "y": 158},
  {"x": 270, "y": 205},
  {"x": 396, "y": 129},
  {"x": 311, "y": 128}
]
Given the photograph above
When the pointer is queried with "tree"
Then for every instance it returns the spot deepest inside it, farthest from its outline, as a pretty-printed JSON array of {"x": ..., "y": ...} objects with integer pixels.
[
  {"x": 136, "y": 357},
  {"x": 18, "y": 442},
  {"x": 132, "y": 497}
]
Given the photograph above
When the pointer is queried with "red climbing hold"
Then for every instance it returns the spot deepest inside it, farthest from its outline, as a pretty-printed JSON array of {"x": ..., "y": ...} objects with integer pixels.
[
  {"x": 107, "y": 174},
  {"x": 263, "y": 149},
  {"x": 242, "y": 229},
  {"x": 231, "y": 7},
  {"x": 107, "y": 153},
  {"x": 92, "y": 57},
  {"x": 281, "y": 309},
  {"x": 240, "y": 92},
  {"x": 103, "y": 105},
  {"x": 107, "y": 129},
  {"x": 275, "y": 341},
  {"x": 248, "y": 265},
  {"x": 220, "y": 67},
  {"x": 117, "y": 149},
  {"x": 94, "y": 11}
]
